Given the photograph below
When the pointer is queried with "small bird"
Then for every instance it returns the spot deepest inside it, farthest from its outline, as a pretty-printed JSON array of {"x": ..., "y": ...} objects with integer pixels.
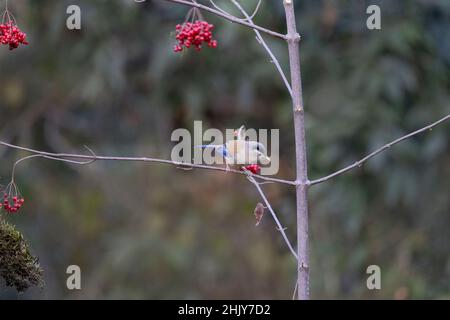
[{"x": 241, "y": 152}]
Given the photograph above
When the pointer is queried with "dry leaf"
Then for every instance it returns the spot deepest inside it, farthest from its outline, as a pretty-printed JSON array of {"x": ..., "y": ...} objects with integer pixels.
[{"x": 259, "y": 212}]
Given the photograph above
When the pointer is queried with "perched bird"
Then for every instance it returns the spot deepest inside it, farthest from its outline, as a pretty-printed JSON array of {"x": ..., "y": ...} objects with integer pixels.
[{"x": 241, "y": 152}]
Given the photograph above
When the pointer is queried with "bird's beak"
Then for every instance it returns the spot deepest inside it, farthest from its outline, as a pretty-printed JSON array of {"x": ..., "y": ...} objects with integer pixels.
[{"x": 264, "y": 159}]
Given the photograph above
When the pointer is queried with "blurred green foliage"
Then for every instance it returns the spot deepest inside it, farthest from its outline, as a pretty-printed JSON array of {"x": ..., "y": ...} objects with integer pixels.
[{"x": 152, "y": 231}]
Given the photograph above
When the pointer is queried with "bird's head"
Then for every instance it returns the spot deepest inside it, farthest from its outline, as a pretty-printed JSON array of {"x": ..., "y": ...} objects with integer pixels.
[
  {"x": 260, "y": 151},
  {"x": 240, "y": 133}
]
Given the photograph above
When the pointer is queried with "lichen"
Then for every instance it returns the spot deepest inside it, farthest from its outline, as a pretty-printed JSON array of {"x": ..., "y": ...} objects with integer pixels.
[{"x": 18, "y": 267}]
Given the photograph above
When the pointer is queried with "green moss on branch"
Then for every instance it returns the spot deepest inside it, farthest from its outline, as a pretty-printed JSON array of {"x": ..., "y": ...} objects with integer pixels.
[{"x": 18, "y": 267}]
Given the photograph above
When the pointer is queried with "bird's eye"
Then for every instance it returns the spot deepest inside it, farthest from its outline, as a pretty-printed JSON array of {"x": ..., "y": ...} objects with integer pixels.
[{"x": 260, "y": 148}]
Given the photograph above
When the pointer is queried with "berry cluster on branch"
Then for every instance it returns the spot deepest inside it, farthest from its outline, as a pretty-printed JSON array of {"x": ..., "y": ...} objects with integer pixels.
[
  {"x": 194, "y": 35},
  {"x": 12, "y": 199},
  {"x": 10, "y": 34}
]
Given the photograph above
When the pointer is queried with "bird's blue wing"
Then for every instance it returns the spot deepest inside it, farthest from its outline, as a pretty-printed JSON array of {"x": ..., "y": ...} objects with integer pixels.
[
  {"x": 223, "y": 151},
  {"x": 220, "y": 149}
]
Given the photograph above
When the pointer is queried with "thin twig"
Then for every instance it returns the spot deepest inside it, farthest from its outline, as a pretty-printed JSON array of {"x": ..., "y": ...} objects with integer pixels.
[
  {"x": 267, "y": 182},
  {"x": 46, "y": 157},
  {"x": 220, "y": 9},
  {"x": 255, "y": 12},
  {"x": 223, "y": 11},
  {"x": 266, "y": 47},
  {"x": 279, "y": 226},
  {"x": 295, "y": 290},
  {"x": 379, "y": 150},
  {"x": 94, "y": 157},
  {"x": 229, "y": 17}
]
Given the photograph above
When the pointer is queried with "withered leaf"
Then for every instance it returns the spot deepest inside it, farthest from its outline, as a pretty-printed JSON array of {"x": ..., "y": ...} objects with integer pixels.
[{"x": 259, "y": 212}]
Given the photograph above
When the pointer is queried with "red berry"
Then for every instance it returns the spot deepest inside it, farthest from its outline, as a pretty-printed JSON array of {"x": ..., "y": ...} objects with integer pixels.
[
  {"x": 194, "y": 35},
  {"x": 253, "y": 168}
]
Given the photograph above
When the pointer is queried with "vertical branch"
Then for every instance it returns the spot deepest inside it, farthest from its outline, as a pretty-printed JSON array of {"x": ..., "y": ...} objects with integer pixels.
[{"x": 293, "y": 39}]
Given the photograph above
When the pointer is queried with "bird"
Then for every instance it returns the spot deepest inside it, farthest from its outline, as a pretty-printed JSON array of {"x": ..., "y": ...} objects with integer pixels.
[{"x": 241, "y": 152}]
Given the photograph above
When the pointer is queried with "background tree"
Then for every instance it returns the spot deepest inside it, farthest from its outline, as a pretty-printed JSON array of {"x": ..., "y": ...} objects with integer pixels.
[{"x": 381, "y": 85}]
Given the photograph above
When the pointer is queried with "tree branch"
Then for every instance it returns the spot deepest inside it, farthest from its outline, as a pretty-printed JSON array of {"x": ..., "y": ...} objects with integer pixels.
[
  {"x": 279, "y": 226},
  {"x": 300, "y": 152},
  {"x": 46, "y": 157},
  {"x": 229, "y": 17},
  {"x": 251, "y": 17},
  {"x": 376, "y": 152},
  {"x": 93, "y": 157},
  {"x": 266, "y": 47}
]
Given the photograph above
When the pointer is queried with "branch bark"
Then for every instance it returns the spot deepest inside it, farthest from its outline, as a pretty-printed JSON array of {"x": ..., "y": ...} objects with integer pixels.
[
  {"x": 93, "y": 157},
  {"x": 300, "y": 152},
  {"x": 266, "y": 47},
  {"x": 229, "y": 17},
  {"x": 378, "y": 151}
]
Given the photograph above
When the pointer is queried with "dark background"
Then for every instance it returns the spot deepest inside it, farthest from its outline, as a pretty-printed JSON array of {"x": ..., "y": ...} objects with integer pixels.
[{"x": 152, "y": 231}]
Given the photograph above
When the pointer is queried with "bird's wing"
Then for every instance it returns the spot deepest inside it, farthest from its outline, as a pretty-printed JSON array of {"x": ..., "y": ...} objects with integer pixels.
[
  {"x": 221, "y": 149},
  {"x": 233, "y": 146},
  {"x": 241, "y": 152}
]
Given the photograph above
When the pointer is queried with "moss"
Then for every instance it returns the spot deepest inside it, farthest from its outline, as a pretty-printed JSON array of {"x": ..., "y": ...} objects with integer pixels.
[{"x": 18, "y": 267}]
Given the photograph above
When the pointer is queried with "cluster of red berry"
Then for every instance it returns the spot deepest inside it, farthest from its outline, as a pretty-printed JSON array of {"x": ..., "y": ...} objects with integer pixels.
[
  {"x": 194, "y": 35},
  {"x": 11, "y": 35},
  {"x": 253, "y": 168},
  {"x": 17, "y": 203}
]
